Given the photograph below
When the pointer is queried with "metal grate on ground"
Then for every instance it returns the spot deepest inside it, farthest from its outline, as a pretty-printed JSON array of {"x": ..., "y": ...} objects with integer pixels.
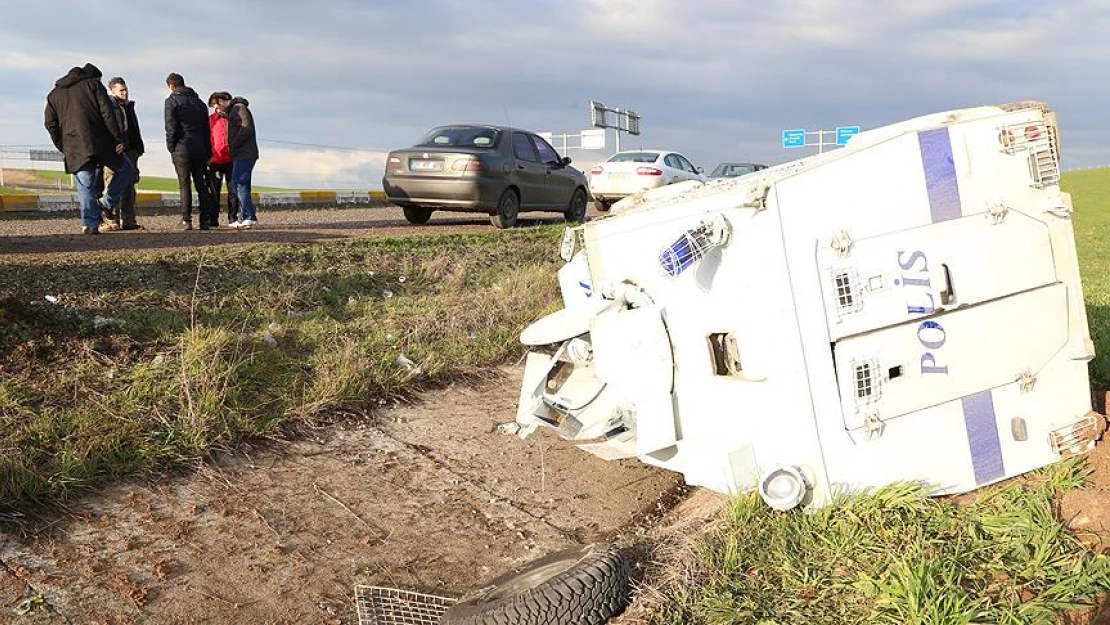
[{"x": 389, "y": 606}]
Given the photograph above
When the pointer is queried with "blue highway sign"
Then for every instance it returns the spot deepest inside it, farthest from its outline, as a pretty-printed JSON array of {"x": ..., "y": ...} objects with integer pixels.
[
  {"x": 795, "y": 138},
  {"x": 843, "y": 133}
]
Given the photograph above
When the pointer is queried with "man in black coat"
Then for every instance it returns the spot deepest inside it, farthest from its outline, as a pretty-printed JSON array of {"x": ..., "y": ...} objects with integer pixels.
[
  {"x": 189, "y": 142},
  {"x": 133, "y": 149},
  {"x": 82, "y": 123}
]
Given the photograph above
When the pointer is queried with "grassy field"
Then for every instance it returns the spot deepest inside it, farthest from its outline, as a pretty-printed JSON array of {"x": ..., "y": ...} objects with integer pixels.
[
  {"x": 156, "y": 361},
  {"x": 894, "y": 557},
  {"x": 146, "y": 183},
  {"x": 1090, "y": 189}
]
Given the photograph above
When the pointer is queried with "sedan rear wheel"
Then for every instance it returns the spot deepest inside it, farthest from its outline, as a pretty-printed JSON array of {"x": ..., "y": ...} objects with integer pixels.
[
  {"x": 576, "y": 212},
  {"x": 507, "y": 208},
  {"x": 417, "y": 214}
]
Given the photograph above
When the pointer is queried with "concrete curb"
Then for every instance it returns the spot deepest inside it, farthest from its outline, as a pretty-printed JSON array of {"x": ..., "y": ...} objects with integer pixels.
[{"x": 149, "y": 203}]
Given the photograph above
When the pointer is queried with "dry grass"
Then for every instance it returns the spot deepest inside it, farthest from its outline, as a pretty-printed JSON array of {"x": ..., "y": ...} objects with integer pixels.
[{"x": 196, "y": 357}]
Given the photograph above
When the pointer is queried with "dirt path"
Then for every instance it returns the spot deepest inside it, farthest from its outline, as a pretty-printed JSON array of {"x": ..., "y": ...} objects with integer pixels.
[{"x": 427, "y": 497}]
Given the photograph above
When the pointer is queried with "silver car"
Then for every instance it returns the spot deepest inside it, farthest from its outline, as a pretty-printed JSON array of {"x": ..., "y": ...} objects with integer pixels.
[{"x": 496, "y": 170}]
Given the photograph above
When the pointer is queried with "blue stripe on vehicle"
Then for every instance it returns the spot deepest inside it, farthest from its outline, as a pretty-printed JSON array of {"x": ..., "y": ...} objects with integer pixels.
[
  {"x": 940, "y": 174},
  {"x": 982, "y": 437}
]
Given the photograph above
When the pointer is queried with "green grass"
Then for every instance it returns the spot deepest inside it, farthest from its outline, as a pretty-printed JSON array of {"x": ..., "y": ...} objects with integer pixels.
[
  {"x": 146, "y": 183},
  {"x": 1090, "y": 189},
  {"x": 11, "y": 191},
  {"x": 893, "y": 557},
  {"x": 210, "y": 346}
]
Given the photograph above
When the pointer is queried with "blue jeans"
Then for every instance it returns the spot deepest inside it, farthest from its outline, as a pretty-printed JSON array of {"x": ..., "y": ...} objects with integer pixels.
[
  {"x": 241, "y": 169},
  {"x": 88, "y": 191}
]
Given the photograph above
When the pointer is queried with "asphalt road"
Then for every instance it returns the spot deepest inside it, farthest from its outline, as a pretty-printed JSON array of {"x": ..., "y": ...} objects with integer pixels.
[{"x": 61, "y": 236}]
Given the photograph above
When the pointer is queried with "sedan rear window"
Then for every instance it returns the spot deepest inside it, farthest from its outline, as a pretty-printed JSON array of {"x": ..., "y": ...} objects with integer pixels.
[
  {"x": 634, "y": 157},
  {"x": 459, "y": 137}
]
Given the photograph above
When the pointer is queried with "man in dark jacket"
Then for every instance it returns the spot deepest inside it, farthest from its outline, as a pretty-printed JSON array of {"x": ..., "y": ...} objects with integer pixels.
[
  {"x": 82, "y": 123},
  {"x": 242, "y": 142},
  {"x": 187, "y": 139},
  {"x": 133, "y": 149}
]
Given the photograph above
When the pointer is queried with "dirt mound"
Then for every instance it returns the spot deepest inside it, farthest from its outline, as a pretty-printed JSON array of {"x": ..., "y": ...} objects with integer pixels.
[{"x": 33, "y": 335}]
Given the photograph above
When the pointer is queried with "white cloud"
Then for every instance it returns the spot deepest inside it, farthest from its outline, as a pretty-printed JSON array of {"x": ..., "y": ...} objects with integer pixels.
[{"x": 717, "y": 79}]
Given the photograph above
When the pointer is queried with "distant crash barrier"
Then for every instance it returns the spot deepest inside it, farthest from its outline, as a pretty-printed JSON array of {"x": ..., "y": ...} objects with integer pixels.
[{"x": 152, "y": 203}]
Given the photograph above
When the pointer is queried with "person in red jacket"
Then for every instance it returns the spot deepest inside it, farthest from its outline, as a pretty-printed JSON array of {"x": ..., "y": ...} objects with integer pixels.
[{"x": 219, "y": 168}]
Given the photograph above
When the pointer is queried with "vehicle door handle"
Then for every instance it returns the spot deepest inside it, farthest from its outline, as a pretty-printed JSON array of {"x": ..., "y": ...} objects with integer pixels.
[
  {"x": 520, "y": 166},
  {"x": 948, "y": 293}
]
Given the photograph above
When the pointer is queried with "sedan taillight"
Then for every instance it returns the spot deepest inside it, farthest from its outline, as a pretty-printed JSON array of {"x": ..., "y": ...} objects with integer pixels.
[
  {"x": 472, "y": 164},
  {"x": 597, "y": 169},
  {"x": 648, "y": 171}
]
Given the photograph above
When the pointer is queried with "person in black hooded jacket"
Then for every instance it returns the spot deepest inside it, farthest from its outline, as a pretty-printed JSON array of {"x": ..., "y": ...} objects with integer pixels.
[
  {"x": 190, "y": 146},
  {"x": 242, "y": 142},
  {"x": 83, "y": 125}
]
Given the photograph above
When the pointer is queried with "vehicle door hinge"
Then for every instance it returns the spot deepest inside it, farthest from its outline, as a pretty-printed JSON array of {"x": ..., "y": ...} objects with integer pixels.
[
  {"x": 997, "y": 213},
  {"x": 1026, "y": 381},
  {"x": 873, "y": 425},
  {"x": 841, "y": 244}
]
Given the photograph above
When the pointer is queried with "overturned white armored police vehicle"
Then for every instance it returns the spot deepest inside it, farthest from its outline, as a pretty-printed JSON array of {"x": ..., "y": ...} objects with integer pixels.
[{"x": 906, "y": 308}]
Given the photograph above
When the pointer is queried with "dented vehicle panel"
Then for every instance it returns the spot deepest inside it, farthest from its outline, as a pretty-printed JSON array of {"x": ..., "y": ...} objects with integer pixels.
[{"x": 907, "y": 308}]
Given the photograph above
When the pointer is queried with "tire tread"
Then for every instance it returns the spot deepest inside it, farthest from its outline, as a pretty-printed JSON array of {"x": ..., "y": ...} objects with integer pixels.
[{"x": 589, "y": 593}]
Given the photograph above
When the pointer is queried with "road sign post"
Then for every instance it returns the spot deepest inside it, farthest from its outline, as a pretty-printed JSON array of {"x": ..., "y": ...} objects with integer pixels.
[
  {"x": 625, "y": 120},
  {"x": 797, "y": 137}
]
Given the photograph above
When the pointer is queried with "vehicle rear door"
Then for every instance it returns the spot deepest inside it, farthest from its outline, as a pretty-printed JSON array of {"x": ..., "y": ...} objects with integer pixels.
[
  {"x": 672, "y": 169},
  {"x": 559, "y": 184},
  {"x": 530, "y": 174},
  {"x": 689, "y": 171},
  {"x": 917, "y": 318}
]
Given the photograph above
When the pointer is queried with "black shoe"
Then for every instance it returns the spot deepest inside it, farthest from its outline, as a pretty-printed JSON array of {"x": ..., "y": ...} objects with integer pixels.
[
  {"x": 204, "y": 226},
  {"x": 186, "y": 224},
  {"x": 130, "y": 227}
]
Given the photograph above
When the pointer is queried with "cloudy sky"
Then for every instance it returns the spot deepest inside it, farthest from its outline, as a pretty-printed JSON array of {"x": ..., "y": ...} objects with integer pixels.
[{"x": 715, "y": 79}]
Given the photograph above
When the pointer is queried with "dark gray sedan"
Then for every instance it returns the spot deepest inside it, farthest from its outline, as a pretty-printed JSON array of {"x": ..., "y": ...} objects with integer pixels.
[{"x": 496, "y": 170}]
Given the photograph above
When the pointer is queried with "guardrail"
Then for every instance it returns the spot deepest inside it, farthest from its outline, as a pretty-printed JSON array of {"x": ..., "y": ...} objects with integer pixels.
[{"x": 147, "y": 203}]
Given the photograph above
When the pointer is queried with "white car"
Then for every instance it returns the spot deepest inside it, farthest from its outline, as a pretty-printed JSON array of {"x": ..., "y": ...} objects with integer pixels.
[{"x": 627, "y": 173}]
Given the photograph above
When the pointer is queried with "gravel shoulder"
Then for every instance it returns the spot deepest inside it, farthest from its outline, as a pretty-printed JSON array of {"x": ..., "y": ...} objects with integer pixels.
[{"x": 59, "y": 238}]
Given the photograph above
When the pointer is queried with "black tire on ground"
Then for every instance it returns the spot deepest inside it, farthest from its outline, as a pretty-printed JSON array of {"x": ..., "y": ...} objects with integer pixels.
[
  {"x": 507, "y": 208},
  {"x": 581, "y": 586},
  {"x": 576, "y": 211},
  {"x": 604, "y": 205},
  {"x": 417, "y": 214}
]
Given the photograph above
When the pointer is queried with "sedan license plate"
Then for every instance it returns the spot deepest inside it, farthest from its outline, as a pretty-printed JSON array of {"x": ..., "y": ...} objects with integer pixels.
[
  {"x": 421, "y": 165},
  {"x": 620, "y": 176}
]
